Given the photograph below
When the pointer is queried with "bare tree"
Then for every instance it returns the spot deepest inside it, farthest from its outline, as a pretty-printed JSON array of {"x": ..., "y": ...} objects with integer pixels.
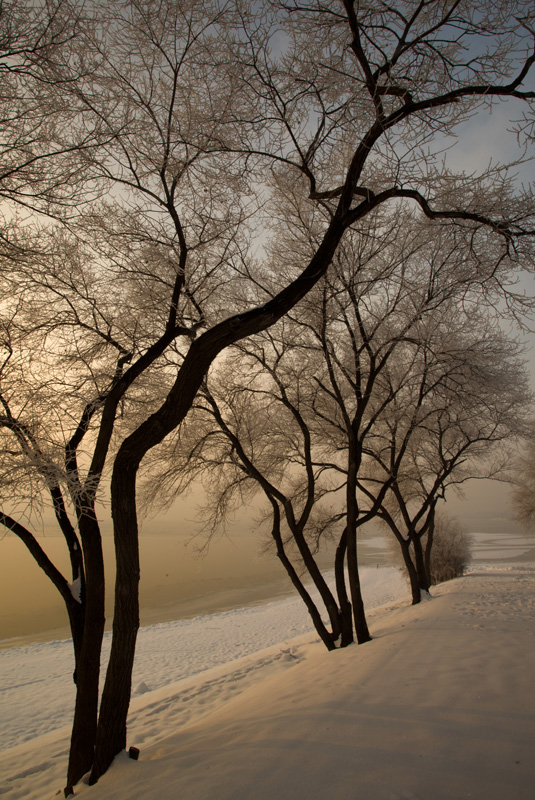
[
  {"x": 322, "y": 119},
  {"x": 214, "y": 119},
  {"x": 383, "y": 364},
  {"x": 60, "y": 364},
  {"x": 466, "y": 401},
  {"x": 372, "y": 316},
  {"x": 295, "y": 499},
  {"x": 42, "y": 176}
]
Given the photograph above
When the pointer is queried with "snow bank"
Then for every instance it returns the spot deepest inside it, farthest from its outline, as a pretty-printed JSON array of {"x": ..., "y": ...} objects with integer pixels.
[
  {"x": 37, "y": 691},
  {"x": 439, "y": 705}
]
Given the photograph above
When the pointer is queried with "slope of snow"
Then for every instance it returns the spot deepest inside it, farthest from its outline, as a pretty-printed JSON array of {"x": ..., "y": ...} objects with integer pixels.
[
  {"x": 439, "y": 705},
  {"x": 37, "y": 691}
]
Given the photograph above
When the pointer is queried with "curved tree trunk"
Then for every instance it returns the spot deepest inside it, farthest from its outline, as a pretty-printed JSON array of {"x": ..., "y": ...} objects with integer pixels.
[
  {"x": 326, "y": 637},
  {"x": 111, "y": 730},
  {"x": 275, "y": 498}
]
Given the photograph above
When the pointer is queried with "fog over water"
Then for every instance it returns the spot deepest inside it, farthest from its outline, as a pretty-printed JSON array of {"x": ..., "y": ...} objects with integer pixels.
[{"x": 176, "y": 580}]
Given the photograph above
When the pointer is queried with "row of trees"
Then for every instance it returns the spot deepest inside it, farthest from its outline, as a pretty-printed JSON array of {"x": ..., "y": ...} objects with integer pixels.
[
  {"x": 388, "y": 385},
  {"x": 176, "y": 177}
]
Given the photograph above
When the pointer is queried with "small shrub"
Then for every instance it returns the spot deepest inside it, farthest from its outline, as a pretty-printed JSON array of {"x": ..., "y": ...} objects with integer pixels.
[{"x": 451, "y": 550}]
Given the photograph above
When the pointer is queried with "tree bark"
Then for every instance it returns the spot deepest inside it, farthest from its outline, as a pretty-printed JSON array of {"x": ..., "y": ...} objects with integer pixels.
[
  {"x": 84, "y": 727},
  {"x": 359, "y": 613},
  {"x": 326, "y": 637},
  {"x": 319, "y": 581},
  {"x": 111, "y": 729},
  {"x": 423, "y": 580},
  {"x": 428, "y": 548},
  {"x": 86, "y": 619},
  {"x": 346, "y": 619},
  {"x": 411, "y": 571}
]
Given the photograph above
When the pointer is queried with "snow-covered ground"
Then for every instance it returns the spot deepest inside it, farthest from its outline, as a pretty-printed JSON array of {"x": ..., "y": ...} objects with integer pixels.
[
  {"x": 247, "y": 704},
  {"x": 36, "y": 688}
]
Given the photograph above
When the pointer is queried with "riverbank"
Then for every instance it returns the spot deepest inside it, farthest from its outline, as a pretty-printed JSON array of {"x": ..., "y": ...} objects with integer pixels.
[
  {"x": 36, "y": 688},
  {"x": 440, "y": 704},
  {"x": 178, "y": 583}
]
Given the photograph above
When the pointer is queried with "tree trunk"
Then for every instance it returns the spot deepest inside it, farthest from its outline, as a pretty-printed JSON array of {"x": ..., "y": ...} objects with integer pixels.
[
  {"x": 346, "y": 618},
  {"x": 428, "y": 549},
  {"x": 423, "y": 580},
  {"x": 359, "y": 613},
  {"x": 327, "y": 638},
  {"x": 319, "y": 581},
  {"x": 84, "y": 727},
  {"x": 111, "y": 729},
  {"x": 411, "y": 571},
  {"x": 86, "y": 619}
]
